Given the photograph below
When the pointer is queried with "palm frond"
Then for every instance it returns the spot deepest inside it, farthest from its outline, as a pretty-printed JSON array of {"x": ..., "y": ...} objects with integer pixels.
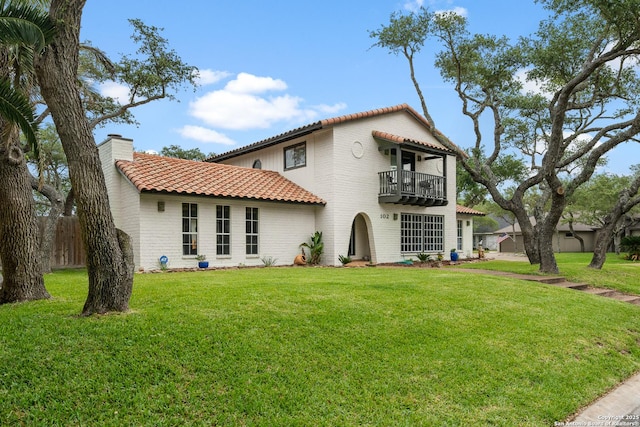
[
  {"x": 23, "y": 24},
  {"x": 16, "y": 108}
]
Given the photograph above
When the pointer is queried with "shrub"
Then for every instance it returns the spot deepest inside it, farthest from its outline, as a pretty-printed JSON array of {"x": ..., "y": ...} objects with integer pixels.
[
  {"x": 422, "y": 257},
  {"x": 631, "y": 244},
  {"x": 344, "y": 259},
  {"x": 269, "y": 261}
]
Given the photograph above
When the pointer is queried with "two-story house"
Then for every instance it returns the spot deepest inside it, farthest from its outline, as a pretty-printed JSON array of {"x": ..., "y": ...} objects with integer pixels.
[{"x": 377, "y": 184}]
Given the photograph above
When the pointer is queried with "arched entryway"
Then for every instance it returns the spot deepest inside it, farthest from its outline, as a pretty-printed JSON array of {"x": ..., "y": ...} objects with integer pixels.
[{"x": 361, "y": 243}]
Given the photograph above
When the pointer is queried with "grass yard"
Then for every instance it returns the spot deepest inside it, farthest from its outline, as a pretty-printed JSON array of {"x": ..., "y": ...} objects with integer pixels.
[
  {"x": 617, "y": 273},
  {"x": 314, "y": 346}
]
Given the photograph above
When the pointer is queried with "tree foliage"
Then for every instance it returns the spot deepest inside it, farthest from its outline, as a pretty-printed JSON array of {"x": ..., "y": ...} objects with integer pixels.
[
  {"x": 583, "y": 60},
  {"x": 178, "y": 152}
]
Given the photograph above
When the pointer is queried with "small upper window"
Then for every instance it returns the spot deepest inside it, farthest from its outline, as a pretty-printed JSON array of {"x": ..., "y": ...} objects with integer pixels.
[
  {"x": 295, "y": 156},
  {"x": 257, "y": 164}
]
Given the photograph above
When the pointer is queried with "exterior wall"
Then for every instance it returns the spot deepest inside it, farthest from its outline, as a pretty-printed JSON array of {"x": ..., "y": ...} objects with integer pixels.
[
  {"x": 282, "y": 227},
  {"x": 342, "y": 167},
  {"x": 357, "y": 159}
]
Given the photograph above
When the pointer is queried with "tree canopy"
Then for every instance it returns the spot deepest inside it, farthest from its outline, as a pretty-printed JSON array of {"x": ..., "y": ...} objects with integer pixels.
[{"x": 583, "y": 60}]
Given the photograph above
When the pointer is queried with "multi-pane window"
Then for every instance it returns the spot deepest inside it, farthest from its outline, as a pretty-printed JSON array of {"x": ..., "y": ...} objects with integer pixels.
[
  {"x": 421, "y": 233},
  {"x": 223, "y": 230},
  {"x": 189, "y": 229},
  {"x": 295, "y": 156},
  {"x": 252, "y": 231},
  {"x": 459, "y": 236}
]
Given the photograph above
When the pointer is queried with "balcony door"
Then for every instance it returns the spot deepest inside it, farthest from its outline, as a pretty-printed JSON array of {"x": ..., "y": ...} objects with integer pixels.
[
  {"x": 409, "y": 165},
  {"x": 408, "y": 161}
]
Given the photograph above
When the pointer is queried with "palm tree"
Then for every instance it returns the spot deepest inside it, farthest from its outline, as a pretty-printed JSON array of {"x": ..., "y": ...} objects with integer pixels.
[{"x": 24, "y": 30}]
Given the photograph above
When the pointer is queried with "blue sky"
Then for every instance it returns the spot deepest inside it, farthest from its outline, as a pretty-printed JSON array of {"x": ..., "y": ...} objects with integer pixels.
[{"x": 271, "y": 66}]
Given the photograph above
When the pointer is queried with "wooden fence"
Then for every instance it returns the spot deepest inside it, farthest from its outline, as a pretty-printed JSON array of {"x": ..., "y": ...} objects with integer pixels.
[{"x": 67, "y": 251}]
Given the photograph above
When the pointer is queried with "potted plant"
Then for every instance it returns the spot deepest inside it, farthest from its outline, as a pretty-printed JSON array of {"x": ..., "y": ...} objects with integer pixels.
[
  {"x": 454, "y": 255},
  {"x": 315, "y": 246},
  {"x": 201, "y": 261}
]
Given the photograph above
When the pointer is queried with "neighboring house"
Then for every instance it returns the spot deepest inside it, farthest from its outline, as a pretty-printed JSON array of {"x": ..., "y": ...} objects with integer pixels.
[
  {"x": 377, "y": 184},
  {"x": 510, "y": 238}
]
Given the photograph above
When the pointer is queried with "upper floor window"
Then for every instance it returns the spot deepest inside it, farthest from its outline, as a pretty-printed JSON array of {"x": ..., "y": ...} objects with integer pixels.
[
  {"x": 257, "y": 164},
  {"x": 295, "y": 156}
]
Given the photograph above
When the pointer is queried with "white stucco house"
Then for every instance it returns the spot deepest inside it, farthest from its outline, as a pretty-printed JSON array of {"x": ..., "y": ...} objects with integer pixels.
[{"x": 377, "y": 184}]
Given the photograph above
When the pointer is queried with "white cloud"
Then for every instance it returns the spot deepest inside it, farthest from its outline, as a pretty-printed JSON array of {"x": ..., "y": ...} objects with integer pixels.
[
  {"x": 248, "y": 83},
  {"x": 116, "y": 91},
  {"x": 330, "y": 109},
  {"x": 202, "y": 134},
  {"x": 207, "y": 77},
  {"x": 244, "y": 103},
  {"x": 457, "y": 10}
]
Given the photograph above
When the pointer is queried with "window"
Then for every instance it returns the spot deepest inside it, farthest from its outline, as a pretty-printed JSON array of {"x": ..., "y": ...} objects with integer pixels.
[
  {"x": 223, "y": 230},
  {"x": 421, "y": 233},
  {"x": 459, "y": 241},
  {"x": 189, "y": 229},
  {"x": 252, "y": 231},
  {"x": 257, "y": 164},
  {"x": 295, "y": 156}
]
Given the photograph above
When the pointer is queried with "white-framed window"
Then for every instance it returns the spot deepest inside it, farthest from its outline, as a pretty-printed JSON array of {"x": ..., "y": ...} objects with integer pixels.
[
  {"x": 421, "y": 233},
  {"x": 189, "y": 229},
  {"x": 223, "y": 230},
  {"x": 251, "y": 222},
  {"x": 295, "y": 156},
  {"x": 459, "y": 236}
]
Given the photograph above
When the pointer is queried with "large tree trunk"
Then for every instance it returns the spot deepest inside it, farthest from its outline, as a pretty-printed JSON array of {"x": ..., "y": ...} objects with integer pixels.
[
  {"x": 19, "y": 243},
  {"x": 109, "y": 254},
  {"x": 548, "y": 263},
  {"x": 600, "y": 247}
]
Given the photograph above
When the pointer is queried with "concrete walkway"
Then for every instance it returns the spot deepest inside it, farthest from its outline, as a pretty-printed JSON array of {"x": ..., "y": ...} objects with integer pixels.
[{"x": 619, "y": 407}]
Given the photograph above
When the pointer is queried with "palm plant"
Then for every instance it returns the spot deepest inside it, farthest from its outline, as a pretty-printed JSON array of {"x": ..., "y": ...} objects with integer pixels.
[
  {"x": 24, "y": 31},
  {"x": 315, "y": 246}
]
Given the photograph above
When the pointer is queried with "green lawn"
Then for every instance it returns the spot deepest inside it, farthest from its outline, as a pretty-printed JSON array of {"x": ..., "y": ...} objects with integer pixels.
[
  {"x": 617, "y": 273},
  {"x": 314, "y": 346}
]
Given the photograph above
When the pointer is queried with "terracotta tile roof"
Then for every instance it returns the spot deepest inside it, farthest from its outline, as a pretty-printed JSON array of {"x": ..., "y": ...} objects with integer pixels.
[
  {"x": 153, "y": 173},
  {"x": 310, "y": 128},
  {"x": 402, "y": 140},
  {"x": 465, "y": 210}
]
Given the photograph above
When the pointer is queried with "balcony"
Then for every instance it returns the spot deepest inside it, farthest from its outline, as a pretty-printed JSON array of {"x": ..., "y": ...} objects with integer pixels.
[{"x": 412, "y": 188}]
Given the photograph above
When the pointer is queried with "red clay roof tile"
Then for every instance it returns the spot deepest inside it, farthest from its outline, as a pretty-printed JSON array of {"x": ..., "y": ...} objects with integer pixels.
[
  {"x": 153, "y": 173},
  {"x": 465, "y": 210},
  {"x": 401, "y": 140}
]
